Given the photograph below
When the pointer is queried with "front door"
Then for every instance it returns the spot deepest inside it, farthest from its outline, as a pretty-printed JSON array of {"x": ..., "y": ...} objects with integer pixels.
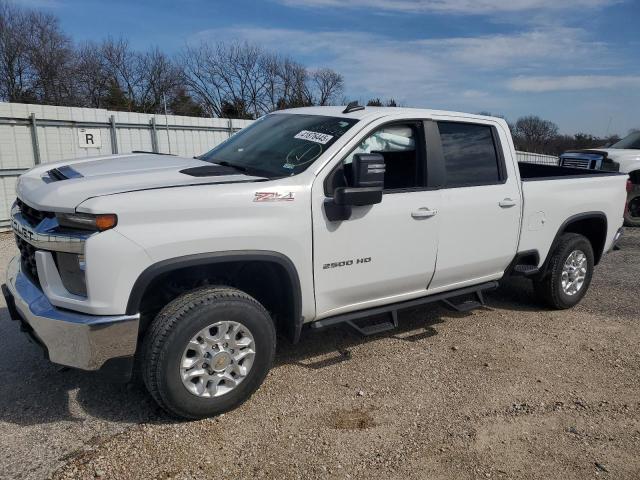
[{"x": 383, "y": 253}]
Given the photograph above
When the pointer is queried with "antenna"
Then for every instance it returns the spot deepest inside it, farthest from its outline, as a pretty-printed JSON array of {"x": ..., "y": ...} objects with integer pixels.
[{"x": 353, "y": 107}]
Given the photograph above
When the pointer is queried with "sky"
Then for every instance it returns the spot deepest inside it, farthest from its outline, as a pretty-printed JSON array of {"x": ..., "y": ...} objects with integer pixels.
[{"x": 575, "y": 62}]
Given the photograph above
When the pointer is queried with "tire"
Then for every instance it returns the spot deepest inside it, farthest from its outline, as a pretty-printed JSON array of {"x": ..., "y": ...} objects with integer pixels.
[
  {"x": 632, "y": 212},
  {"x": 236, "y": 317},
  {"x": 549, "y": 289}
]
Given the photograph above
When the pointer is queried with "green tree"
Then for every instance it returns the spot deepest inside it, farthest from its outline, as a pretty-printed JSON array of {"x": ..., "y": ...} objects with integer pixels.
[
  {"x": 116, "y": 99},
  {"x": 183, "y": 104}
]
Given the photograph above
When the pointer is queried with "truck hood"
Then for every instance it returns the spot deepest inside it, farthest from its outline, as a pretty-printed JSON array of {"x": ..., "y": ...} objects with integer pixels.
[
  {"x": 620, "y": 153},
  {"x": 62, "y": 186}
]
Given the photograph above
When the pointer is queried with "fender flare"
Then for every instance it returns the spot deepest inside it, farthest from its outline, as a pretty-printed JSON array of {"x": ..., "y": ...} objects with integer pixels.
[
  {"x": 201, "y": 259},
  {"x": 565, "y": 224}
]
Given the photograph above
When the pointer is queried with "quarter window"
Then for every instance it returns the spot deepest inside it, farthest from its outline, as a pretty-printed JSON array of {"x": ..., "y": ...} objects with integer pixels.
[{"x": 470, "y": 154}]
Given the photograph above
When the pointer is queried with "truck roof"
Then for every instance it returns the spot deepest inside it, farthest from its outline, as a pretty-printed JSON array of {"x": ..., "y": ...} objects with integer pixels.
[{"x": 379, "y": 112}]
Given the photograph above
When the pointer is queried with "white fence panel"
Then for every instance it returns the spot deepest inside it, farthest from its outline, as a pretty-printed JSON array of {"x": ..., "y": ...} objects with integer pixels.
[
  {"x": 34, "y": 134},
  {"x": 527, "y": 157}
]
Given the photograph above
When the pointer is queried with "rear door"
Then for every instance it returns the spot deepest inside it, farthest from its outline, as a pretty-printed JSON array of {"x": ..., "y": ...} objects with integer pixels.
[
  {"x": 383, "y": 253},
  {"x": 481, "y": 208}
]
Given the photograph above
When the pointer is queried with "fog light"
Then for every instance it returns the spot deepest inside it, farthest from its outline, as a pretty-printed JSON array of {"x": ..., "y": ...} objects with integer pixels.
[{"x": 71, "y": 268}]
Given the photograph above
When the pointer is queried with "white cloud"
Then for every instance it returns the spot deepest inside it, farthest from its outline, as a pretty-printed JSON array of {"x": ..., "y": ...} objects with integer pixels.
[
  {"x": 529, "y": 50},
  {"x": 427, "y": 68},
  {"x": 573, "y": 83},
  {"x": 452, "y": 6}
]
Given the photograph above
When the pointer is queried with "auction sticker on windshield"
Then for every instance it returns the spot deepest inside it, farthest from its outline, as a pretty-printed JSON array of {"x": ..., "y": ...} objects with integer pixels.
[{"x": 314, "y": 136}]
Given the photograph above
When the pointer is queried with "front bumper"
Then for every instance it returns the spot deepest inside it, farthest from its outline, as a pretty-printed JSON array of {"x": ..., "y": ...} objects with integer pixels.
[{"x": 87, "y": 342}]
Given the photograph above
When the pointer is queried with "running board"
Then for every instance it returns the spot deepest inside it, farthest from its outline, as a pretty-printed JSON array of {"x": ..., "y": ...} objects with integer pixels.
[
  {"x": 358, "y": 320},
  {"x": 525, "y": 270}
]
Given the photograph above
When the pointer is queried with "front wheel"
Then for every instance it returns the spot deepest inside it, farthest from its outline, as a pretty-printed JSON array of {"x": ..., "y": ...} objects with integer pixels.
[
  {"x": 207, "y": 351},
  {"x": 568, "y": 274}
]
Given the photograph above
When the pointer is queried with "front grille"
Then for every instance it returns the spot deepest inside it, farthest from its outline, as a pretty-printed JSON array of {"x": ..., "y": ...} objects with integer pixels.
[
  {"x": 28, "y": 259},
  {"x": 28, "y": 251},
  {"x": 31, "y": 215},
  {"x": 577, "y": 163}
]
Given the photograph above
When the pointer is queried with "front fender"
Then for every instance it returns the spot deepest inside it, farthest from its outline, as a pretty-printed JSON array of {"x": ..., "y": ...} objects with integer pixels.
[{"x": 163, "y": 267}]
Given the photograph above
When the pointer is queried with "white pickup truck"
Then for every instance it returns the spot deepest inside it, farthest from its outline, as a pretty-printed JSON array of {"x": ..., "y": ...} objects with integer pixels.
[
  {"x": 190, "y": 267},
  {"x": 623, "y": 156}
]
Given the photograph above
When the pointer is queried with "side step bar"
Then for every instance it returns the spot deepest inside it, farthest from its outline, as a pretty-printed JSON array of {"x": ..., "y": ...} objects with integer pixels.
[
  {"x": 466, "y": 305},
  {"x": 526, "y": 270},
  {"x": 360, "y": 322}
]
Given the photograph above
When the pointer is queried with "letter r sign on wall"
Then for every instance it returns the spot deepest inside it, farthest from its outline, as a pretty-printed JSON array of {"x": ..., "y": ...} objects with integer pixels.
[{"x": 89, "y": 138}]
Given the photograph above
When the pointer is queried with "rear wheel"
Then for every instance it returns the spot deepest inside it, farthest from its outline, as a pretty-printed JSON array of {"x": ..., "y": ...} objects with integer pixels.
[
  {"x": 632, "y": 213},
  {"x": 569, "y": 272},
  {"x": 207, "y": 352}
]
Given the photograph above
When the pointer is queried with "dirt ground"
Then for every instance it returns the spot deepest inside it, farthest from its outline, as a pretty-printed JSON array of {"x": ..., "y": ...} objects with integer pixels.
[{"x": 508, "y": 391}]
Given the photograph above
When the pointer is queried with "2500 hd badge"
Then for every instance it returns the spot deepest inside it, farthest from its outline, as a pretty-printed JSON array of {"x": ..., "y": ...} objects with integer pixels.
[{"x": 346, "y": 263}]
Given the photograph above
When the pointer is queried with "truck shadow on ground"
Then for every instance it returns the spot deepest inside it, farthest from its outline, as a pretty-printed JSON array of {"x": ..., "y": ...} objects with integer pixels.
[
  {"x": 325, "y": 348},
  {"x": 34, "y": 391}
]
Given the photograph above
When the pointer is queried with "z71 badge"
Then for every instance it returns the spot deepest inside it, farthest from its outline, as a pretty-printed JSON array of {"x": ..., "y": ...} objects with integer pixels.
[{"x": 274, "y": 197}]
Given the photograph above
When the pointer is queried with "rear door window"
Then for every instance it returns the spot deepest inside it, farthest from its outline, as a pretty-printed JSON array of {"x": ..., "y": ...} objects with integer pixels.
[{"x": 470, "y": 154}]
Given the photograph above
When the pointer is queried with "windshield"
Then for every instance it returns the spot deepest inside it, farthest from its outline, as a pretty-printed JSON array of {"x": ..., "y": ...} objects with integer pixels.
[
  {"x": 631, "y": 141},
  {"x": 279, "y": 145}
]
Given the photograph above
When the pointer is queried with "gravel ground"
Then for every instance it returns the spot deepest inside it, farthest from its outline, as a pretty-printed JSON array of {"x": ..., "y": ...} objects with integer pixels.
[{"x": 507, "y": 391}]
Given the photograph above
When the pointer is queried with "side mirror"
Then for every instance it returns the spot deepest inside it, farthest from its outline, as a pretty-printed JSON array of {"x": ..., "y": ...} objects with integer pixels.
[
  {"x": 368, "y": 182},
  {"x": 368, "y": 170}
]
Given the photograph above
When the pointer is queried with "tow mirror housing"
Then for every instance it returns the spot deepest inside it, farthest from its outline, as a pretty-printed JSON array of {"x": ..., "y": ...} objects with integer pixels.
[
  {"x": 367, "y": 185},
  {"x": 368, "y": 170}
]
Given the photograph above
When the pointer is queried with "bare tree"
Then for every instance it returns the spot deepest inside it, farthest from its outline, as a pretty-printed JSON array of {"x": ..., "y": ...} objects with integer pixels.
[
  {"x": 201, "y": 72},
  {"x": 124, "y": 68},
  {"x": 51, "y": 57},
  {"x": 328, "y": 84},
  {"x": 93, "y": 75},
  {"x": 295, "y": 89},
  {"x": 158, "y": 78},
  {"x": 532, "y": 133},
  {"x": 40, "y": 63},
  {"x": 15, "y": 72}
]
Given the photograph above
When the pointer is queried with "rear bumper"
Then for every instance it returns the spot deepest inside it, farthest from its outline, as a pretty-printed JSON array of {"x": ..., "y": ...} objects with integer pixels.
[{"x": 87, "y": 342}]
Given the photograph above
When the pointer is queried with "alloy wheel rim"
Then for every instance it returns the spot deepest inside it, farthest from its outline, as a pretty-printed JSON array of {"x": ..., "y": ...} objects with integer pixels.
[
  {"x": 217, "y": 359},
  {"x": 574, "y": 272}
]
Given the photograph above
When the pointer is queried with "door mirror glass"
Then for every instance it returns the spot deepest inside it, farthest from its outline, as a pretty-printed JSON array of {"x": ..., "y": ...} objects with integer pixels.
[{"x": 368, "y": 170}]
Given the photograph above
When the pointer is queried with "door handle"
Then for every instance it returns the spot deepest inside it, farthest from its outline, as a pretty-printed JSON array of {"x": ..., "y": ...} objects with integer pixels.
[
  {"x": 507, "y": 203},
  {"x": 424, "y": 212}
]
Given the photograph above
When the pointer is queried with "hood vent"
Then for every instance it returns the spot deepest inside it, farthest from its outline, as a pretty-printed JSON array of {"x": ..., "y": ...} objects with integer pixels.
[
  {"x": 63, "y": 173},
  {"x": 209, "y": 171}
]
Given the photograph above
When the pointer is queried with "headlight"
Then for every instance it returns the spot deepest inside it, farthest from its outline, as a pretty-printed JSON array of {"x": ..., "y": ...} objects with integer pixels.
[{"x": 87, "y": 221}]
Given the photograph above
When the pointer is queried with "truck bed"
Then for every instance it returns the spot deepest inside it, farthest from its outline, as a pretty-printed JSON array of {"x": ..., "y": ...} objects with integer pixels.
[
  {"x": 553, "y": 195},
  {"x": 532, "y": 172}
]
